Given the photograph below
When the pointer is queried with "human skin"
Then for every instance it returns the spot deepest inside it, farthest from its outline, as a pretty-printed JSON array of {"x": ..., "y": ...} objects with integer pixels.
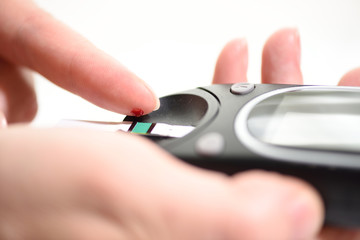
[
  {"x": 280, "y": 64},
  {"x": 78, "y": 184},
  {"x": 30, "y": 37}
]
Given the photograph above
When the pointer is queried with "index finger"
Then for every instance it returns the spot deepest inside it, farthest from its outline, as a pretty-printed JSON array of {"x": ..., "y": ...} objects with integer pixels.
[{"x": 31, "y": 37}]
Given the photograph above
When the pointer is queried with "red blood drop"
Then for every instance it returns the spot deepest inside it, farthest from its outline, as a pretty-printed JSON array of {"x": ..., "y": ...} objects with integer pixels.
[{"x": 137, "y": 112}]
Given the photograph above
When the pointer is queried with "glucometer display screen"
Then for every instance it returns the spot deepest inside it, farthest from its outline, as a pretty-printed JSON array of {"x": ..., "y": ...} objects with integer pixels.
[{"x": 317, "y": 119}]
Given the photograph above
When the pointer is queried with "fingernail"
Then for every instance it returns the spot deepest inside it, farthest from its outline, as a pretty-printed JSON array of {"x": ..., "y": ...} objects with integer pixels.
[
  {"x": 157, "y": 106},
  {"x": 281, "y": 58},
  {"x": 239, "y": 44},
  {"x": 157, "y": 101},
  {"x": 3, "y": 122},
  {"x": 291, "y": 42},
  {"x": 306, "y": 212},
  {"x": 294, "y": 38}
]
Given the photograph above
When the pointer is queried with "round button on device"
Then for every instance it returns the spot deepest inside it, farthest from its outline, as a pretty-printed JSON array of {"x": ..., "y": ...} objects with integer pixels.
[
  {"x": 242, "y": 88},
  {"x": 210, "y": 144}
]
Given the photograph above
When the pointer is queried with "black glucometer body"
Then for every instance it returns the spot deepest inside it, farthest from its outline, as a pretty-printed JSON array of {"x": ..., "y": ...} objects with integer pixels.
[{"x": 311, "y": 132}]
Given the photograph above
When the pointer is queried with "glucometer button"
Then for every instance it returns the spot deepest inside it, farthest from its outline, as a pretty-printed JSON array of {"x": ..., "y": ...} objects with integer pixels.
[
  {"x": 242, "y": 88},
  {"x": 211, "y": 144}
]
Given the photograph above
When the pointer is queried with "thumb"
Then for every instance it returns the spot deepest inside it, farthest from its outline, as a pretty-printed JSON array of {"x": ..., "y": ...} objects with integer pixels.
[
  {"x": 184, "y": 202},
  {"x": 273, "y": 206},
  {"x": 251, "y": 206},
  {"x": 147, "y": 194},
  {"x": 254, "y": 205}
]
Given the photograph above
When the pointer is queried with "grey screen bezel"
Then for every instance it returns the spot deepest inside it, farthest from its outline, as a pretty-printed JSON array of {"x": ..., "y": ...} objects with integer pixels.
[{"x": 292, "y": 154}]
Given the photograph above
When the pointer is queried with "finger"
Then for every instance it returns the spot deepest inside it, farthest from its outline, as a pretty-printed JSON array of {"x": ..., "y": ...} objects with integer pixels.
[
  {"x": 351, "y": 78},
  {"x": 31, "y": 37},
  {"x": 232, "y": 64},
  {"x": 281, "y": 58},
  {"x": 17, "y": 95}
]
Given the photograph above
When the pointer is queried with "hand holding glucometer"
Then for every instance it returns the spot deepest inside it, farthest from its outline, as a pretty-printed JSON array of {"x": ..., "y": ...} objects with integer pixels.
[
  {"x": 75, "y": 184},
  {"x": 311, "y": 132}
]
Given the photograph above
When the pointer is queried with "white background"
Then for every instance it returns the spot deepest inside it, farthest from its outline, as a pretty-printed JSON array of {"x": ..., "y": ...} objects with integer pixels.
[{"x": 173, "y": 45}]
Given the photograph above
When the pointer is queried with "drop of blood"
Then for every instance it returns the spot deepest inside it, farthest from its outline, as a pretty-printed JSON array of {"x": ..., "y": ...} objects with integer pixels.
[{"x": 137, "y": 112}]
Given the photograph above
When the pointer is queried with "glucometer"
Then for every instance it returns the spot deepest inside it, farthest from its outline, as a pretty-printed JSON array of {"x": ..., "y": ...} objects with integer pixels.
[{"x": 311, "y": 132}]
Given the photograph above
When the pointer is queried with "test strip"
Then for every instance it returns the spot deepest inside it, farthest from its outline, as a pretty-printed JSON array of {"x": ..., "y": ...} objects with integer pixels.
[
  {"x": 158, "y": 129},
  {"x": 168, "y": 130},
  {"x": 104, "y": 126},
  {"x": 141, "y": 128}
]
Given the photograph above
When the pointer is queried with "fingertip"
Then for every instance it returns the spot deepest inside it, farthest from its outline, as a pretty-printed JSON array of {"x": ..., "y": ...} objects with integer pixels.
[
  {"x": 107, "y": 83},
  {"x": 144, "y": 101},
  {"x": 125, "y": 92},
  {"x": 284, "y": 36},
  {"x": 232, "y": 63},
  {"x": 283, "y": 207},
  {"x": 155, "y": 99},
  {"x": 281, "y": 58},
  {"x": 307, "y": 213},
  {"x": 352, "y": 78}
]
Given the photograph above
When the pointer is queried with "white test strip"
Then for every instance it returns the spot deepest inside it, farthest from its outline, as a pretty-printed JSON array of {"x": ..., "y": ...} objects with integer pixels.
[
  {"x": 158, "y": 129},
  {"x": 104, "y": 126},
  {"x": 167, "y": 130}
]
